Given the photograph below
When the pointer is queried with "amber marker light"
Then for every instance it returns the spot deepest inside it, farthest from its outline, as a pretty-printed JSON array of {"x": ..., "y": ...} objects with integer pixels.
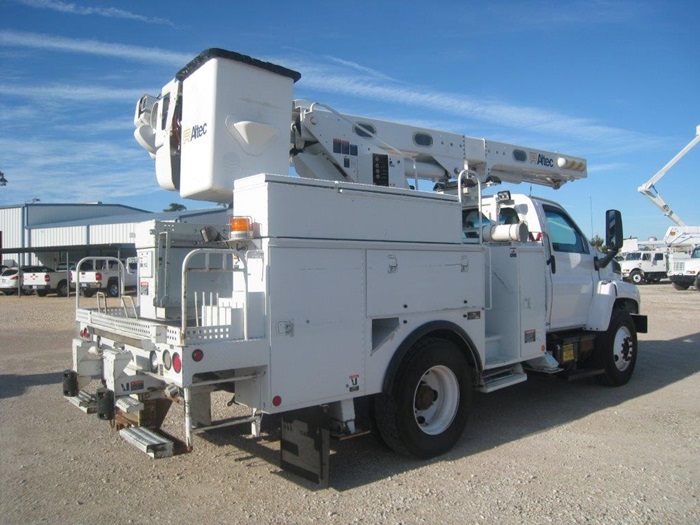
[{"x": 241, "y": 228}]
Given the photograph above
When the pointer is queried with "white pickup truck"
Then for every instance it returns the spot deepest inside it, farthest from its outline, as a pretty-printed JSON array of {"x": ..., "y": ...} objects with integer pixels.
[
  {"x": 101, "y": 274},
  {"x": 47, "y": 281}
]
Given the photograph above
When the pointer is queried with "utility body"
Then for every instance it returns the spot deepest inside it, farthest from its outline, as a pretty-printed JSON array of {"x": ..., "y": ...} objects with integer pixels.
[{"x": 385, "y": 275}]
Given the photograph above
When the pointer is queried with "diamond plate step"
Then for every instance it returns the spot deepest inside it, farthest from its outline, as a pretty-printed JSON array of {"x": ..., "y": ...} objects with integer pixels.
[{"x": 148, "y": 441}]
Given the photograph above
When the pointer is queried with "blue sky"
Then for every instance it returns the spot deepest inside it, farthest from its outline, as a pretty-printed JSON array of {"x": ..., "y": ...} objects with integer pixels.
[{"x": 615, "y": 82}]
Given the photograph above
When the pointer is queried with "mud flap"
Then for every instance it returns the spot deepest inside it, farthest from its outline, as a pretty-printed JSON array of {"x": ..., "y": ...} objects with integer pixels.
[{"x": 305, "y": 444}]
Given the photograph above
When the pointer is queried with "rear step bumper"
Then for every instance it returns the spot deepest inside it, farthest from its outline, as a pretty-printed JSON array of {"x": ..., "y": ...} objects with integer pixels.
[
  {"x": 84, "y": 401},
  {"x": 148, "y": 441}
]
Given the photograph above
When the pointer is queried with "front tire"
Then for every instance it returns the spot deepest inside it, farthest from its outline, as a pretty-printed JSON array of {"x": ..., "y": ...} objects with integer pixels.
[
  {"x": 637, "y": 277},
  {"x": 425, "y": 411},
  {"x": 616, "y": 349},
  {"x": 679, "y": 286}
]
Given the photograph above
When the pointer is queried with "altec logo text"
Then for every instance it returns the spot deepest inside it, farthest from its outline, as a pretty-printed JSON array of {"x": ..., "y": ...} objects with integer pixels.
[
  {"x": 195, "y": 132},
  {"x": 545, "y": 161}
]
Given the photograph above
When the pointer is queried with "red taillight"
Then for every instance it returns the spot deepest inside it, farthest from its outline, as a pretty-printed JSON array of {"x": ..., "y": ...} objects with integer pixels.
[
  {"x": 177, "y": 362},
  {"x": 85, "y": 333},
  {"x": 14, "y": 278},
  {"x": 47, "y": 278},
  {"x": 98, "y": 276},
  {"x": 197, "y": 355},
  {"x": 276, "y": 401}
]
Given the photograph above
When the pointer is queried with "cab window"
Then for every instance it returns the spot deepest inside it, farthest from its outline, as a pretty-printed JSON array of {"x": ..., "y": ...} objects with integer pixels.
[{"x": 563, "y": 232}]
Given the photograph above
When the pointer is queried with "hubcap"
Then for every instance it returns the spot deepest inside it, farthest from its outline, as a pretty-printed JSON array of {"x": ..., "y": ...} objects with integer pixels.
[
  {"x": 436, "y": 399},
  {"x": 623, "y": 349}
]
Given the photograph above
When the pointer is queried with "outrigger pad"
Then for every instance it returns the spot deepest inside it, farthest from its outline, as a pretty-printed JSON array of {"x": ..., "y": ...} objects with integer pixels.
[{"x": 305, "y": 444}]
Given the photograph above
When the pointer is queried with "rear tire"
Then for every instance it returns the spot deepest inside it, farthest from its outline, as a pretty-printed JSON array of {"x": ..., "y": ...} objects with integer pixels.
[
  {"x": 62, "y": 289},
  {"x": 425, "y": 411},
  {"x": 616, "y": 349},
  {"x": 113, "y": 289}
]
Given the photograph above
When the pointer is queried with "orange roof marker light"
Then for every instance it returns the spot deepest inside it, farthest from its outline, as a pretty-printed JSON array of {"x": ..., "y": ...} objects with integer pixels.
[{"x": 241, "y": 228}]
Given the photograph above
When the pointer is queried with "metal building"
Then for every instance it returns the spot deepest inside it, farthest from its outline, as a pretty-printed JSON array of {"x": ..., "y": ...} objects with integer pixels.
[{"x": 38, "y": 233}]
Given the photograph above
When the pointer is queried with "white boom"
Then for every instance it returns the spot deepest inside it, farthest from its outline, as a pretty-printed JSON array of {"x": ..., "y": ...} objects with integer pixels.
[
  {"x": 649, "y": 190},
  {"x": 226, "y": 116}
]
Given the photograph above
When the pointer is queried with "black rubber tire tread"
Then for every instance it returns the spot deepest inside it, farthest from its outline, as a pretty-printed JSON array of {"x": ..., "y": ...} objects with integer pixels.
[
  {"x": 62, "y": 289},
  {"x": 604, "y": 353},
  {"x": 639, "y": 274},
  {"x": 41, "y": 293},
  {"x": 87, "y": 293},
  {"x": 113, "y": 288},
  {"x": 697, "y": 284},
  {"x": 681, "y": 287},
  {"x": 394, "y": 409}
]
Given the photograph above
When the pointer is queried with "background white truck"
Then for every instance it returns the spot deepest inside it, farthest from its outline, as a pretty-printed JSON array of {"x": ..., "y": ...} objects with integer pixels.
[
  {"x": 685, "y": 271},
  {"x": 679, "y": 238},
  {"x": 644, "y": 266},
  {"x": 353, "y": 286},
  {"x": 105, "y": 274},
  {"x": 48, "y": 281}
]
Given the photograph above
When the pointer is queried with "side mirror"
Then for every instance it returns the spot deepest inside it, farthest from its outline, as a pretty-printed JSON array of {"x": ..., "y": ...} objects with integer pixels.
[
  {"x": 613, "y": 230},
  {"x": 613, "y": 237}
]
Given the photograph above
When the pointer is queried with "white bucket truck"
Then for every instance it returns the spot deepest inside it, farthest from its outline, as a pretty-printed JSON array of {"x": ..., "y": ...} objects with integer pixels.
[{"x": 346, "y": 284}]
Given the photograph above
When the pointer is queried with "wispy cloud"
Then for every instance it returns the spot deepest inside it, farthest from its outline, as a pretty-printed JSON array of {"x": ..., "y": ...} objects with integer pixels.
[
  {"x": 359, "y": 68},
  {"x": 547, "y": 15},
  {"x": 316, "y": 77},
  {"x": 71, "y": 92},
  {"x": 335, "y": 75},
  {"x": 93, "y": 47},
  {"x": 107, "y": 12},
  {"x": 99, "y": 169}
]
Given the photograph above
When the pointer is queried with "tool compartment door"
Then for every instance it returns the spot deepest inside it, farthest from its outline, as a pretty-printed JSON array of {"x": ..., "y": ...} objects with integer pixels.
[{"x": 317, "y": 313}]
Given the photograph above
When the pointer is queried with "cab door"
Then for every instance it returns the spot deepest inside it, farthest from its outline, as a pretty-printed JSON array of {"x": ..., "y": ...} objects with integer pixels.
[{"x": 572, "y": 274}]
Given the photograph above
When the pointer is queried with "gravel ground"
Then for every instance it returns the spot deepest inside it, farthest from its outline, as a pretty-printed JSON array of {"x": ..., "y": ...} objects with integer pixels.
[{"x": 544, "y": 451}]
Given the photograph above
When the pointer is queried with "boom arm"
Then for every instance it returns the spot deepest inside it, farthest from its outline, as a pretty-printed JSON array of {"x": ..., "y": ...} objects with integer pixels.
[
  {"x": 650, "y": 191},
  {"x": 334, "y": 146}
]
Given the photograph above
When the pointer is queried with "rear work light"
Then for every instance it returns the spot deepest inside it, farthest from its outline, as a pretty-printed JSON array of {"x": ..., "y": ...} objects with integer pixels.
[{"x": 241, "y": 228}]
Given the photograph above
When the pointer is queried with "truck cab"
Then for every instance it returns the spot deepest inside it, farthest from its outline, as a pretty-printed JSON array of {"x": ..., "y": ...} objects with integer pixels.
[{"x": 574, "y": 278}]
